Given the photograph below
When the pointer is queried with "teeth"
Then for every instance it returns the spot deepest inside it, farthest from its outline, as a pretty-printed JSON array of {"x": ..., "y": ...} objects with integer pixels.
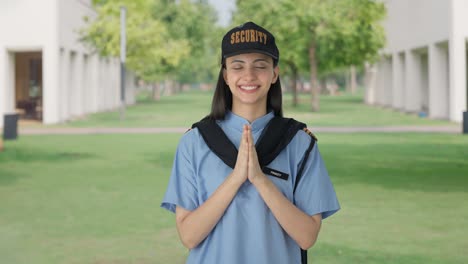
[{"x": 248, "y": 88}]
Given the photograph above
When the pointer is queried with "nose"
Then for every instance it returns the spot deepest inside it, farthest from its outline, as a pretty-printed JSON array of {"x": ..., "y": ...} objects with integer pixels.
[{"x": 249, "y": 74}]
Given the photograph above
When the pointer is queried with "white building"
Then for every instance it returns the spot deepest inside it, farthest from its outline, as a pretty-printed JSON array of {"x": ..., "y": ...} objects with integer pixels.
[
  {"x": 424, "y": 65},
  {"x": 46, "y": 74}
]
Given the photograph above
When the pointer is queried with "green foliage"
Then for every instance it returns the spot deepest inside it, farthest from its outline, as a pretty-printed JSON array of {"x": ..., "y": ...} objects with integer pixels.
[
  {"x": 345, "y": 32},
  {"x": 193, "y": 22},
  {"x": 165, "y": 38},
  {"x": 353, "y": 36}
]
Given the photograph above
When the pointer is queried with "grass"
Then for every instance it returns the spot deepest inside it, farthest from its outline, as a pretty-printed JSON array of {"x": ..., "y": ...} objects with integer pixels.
[
  {"x": 188, "y": 107},
  {"x": 95, "y": 199}
]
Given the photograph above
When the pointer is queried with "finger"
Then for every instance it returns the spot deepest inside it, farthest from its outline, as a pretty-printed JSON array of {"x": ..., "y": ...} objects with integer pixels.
[
  {"x": 251, "y": 145},
  {"x": 246, "y": 133},
  {"x": 244, "y": 140},
  {"x": 249, "y": 136}
]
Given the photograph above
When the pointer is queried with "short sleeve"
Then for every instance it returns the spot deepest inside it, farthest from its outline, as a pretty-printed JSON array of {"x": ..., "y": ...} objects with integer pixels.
[
  {"x": 315, "y": 193},
  {"x": 181, "y": 190}
]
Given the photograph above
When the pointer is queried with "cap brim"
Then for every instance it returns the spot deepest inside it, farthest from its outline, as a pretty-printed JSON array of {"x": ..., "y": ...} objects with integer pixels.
[{"x": 249, "y": 51}]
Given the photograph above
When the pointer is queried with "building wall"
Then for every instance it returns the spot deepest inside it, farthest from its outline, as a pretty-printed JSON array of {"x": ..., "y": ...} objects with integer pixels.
[
  {"x": 415, "y": 23},
  {"x": 75, "y": 81},
  {"x": 25, "y": 26},
  {"x": 427, "y": 42}
]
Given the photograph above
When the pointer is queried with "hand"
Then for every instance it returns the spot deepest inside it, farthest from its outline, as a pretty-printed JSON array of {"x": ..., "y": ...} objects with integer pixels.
[
  {"x": 240, "y": 171},
  {"x": 255, "y": 173}
]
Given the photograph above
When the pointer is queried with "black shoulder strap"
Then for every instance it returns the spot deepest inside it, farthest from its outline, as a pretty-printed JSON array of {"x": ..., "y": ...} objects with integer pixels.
[
  {"x": 313, "y": 139},
  {"x": 275, "y": 137},
  {"x": 217, "y": 141}
]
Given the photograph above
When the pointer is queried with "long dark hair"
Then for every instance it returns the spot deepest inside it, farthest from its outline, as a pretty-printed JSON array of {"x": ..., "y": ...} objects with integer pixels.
[{"x": 222, "y": 98}]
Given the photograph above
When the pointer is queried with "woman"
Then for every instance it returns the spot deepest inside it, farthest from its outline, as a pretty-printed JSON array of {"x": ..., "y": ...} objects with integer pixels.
[{"x": 241, "y": 214}]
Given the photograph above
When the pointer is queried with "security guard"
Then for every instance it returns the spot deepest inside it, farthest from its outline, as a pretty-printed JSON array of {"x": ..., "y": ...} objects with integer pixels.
[{"x": 244, "y": 214}]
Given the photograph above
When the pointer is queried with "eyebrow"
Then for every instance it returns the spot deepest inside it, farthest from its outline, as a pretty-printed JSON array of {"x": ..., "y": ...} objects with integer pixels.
[{"x": 257, "y": 60}]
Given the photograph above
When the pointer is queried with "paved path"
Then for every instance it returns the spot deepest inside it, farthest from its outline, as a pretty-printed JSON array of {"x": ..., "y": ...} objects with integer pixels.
[{"x": 116, "y": 130}]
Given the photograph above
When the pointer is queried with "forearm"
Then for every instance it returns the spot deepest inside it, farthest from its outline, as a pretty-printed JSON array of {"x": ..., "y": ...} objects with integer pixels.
[
  {"x": 195, "y": 226},
  {"x": 300, "y": 226}
]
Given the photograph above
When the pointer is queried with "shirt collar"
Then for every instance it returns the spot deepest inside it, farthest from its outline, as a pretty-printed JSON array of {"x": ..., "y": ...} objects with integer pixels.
[{"x": 237, "y": 122}]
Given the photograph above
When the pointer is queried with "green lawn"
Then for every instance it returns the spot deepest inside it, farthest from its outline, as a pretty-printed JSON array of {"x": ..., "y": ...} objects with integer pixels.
[
  {"x": 184, "y": 109},
  {"x": 95, "y": 199}
]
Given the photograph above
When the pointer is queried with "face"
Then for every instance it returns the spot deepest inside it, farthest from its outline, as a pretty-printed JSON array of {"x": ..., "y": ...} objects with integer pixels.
[{"x": 249, "y": 77}]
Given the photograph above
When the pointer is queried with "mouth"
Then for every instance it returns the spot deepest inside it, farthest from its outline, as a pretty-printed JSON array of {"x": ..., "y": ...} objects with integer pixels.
[{"x": 249, "y": 88}]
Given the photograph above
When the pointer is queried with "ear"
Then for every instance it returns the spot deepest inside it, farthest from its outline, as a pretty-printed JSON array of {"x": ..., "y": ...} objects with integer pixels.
[{"x": 275, "y": 74}]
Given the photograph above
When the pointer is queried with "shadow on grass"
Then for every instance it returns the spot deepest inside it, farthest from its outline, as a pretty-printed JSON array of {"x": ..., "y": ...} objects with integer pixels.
[
  {"x": 326, "y": 253},
  {"x": 21, "y": 154},
  {"x": 16, "y": 156},
  {"x": 162, "y": 159},
  {"x": 9, "y": 176},
  {"x": 422, "y": 167}
]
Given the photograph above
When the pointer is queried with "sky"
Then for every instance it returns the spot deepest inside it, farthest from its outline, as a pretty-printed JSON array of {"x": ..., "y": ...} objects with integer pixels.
[{"x": 224, "y": 8}]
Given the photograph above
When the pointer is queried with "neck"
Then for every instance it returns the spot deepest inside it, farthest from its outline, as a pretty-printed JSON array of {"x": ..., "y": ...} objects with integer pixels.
[{"x": 251, "y": 113}]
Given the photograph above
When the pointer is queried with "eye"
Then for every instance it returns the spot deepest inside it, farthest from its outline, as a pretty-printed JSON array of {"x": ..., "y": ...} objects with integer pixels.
[{"x": 260, "y": 66}]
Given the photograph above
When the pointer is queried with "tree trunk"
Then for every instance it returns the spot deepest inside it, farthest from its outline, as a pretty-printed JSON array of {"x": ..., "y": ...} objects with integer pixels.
[
  {"x": 348, "y": 81},
  {"x": 294, "y": 84},
  {"x": 168, "y": 87},
  {"x": 156, "y": 91},
  {"x": 315, "y": 91},
  {"x": 353, "y": 80}
]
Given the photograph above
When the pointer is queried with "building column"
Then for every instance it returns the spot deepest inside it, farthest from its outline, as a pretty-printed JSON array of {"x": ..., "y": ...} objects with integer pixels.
[
  {"x": 457, "y": 61},
  {"x": 72, "y": 84},
  {"x": 51, "y": 84},
  {"x": 94, "y": 82},
  {"x": 387, "y": 88},
  {"x": 380, "y": 82},
  {"x": 7, "y": 84},
  {"x": 64, "y": 73},
  {"x": 424, "y": 81},
  {"x": 102, "y": 85},
  {"x": 412, "y": 93},
  {"x": 438, "y": 82},
  {"x": 78, "y": 84},
  {"x": 86, "y": 84},
  {"x": 398, "y": 80},
  {"x": 370, "y": 83}
]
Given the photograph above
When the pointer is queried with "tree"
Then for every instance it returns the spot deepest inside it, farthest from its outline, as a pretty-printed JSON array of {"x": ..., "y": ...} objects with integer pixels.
[
  {"x": 194, "y": 22},
  {"x": 149, "y": 47},
  {"x": 166, "y": 39},
  {"x": 273, "y": 18},
  {"x": 330, "y": 34},
  {"x": 341, "y": 33}
]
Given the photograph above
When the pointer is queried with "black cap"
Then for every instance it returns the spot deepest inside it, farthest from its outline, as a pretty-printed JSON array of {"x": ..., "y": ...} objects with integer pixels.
[{"x": 248, "y": 38}]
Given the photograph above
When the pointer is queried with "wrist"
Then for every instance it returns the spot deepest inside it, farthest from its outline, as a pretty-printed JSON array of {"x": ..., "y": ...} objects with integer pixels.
[
  {"x": 235, "y": 180},
  {"x": 259, "y": 180}
]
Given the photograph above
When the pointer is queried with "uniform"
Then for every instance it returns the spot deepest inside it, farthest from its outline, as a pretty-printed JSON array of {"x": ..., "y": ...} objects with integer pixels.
[{"x": 247, "y": 232}]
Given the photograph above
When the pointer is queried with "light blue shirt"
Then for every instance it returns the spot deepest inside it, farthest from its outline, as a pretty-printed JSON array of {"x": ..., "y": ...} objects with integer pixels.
[{"x": 247, "y": 233}]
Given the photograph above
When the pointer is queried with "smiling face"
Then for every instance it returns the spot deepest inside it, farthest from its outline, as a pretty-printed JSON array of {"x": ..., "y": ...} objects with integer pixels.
[{"x": 249, "y": 77}]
